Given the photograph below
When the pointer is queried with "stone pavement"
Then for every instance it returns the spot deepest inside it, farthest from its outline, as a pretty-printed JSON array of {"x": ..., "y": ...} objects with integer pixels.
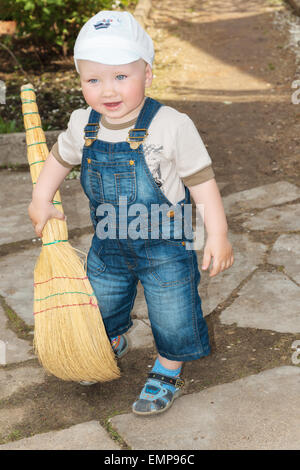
[
  {"x": 260, "y": 411},
  {"x": 259, "y": 296}
]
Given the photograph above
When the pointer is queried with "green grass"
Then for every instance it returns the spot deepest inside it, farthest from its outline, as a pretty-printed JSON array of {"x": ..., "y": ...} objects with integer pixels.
[{"x": 7, "y": 127}]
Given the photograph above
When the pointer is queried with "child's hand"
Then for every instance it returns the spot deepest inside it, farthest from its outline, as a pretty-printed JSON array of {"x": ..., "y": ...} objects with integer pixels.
[
  {"x": 219, "y": 248},
  {"x": 40, "y": 212}
]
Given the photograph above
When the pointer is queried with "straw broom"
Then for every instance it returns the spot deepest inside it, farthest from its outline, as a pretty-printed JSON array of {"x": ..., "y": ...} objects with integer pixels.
[{"x": 69, "y": 335}]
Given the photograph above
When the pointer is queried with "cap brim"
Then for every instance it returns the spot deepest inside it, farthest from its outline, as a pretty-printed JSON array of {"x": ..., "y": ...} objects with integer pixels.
[{"x": 109, "y": 57}]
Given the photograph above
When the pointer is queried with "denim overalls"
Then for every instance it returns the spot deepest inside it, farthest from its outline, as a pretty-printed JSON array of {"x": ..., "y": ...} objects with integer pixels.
[{"x": 116, "y": 179}]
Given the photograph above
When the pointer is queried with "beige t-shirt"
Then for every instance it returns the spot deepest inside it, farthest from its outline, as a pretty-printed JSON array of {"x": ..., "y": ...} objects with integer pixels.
[{"x": 173, "y": 149}]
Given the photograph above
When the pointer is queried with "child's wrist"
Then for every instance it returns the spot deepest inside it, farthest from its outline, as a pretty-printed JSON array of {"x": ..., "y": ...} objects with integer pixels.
[
  {"x": 40, "y": 203},
  {"x": 222, "y": 234},
  {"x": 39, "y": 197}
]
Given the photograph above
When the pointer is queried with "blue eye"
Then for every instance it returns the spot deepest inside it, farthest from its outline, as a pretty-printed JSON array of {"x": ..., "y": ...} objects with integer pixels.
[
  {"x": 120, "y": 77},
  {"x": 93, "y": 80}
]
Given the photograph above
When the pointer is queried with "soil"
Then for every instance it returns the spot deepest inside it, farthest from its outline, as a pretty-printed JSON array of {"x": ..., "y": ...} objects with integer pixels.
[{"x": 227, "y": 66}]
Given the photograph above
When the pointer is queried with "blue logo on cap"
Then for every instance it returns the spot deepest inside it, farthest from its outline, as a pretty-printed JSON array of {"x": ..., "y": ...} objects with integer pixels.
[{"x": 103, "y": 24}]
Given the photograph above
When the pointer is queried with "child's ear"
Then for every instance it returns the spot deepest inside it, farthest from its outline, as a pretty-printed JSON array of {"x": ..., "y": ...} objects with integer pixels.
[{"x": 148, "y": 76}]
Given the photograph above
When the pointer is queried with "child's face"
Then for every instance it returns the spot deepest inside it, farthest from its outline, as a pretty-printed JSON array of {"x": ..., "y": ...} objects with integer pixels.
[{"x": 117, "y": 91}]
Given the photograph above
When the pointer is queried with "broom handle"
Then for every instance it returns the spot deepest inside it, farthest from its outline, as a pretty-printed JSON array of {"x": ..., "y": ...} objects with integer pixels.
[{"x": 37, "y": 151}]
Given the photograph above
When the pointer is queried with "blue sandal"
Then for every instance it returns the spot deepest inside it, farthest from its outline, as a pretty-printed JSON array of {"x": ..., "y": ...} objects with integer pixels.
[
  {"x": 154, "y": 397},
  {"x": 120, "y": 346}
]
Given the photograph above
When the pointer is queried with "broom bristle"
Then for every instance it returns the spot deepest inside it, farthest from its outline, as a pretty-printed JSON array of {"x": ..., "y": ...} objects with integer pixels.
[
  {"x": 69, "y": 335},
  {"x": 70, "y": 339}
]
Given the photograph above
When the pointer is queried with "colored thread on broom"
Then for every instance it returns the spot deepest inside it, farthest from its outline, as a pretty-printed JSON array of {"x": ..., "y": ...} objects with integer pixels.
[
  {"x": 34, "y": 127},
  {"x": 62, "y": 293},
  {"x": 55, "y": 241},
  {"x": 39, "y": 161},
  {"x": 36, "y": 143},
  {"x": 64, "y": 306},
  {"x": 28, "y": 101},
  {"x": 33, "y": 112},
  {"x": 28, "y": 89},
  {"x": 61, "y": 277}
]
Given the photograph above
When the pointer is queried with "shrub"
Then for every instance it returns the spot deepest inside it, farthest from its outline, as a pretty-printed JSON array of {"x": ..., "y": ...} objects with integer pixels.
[{"x": 54, "y": 23}]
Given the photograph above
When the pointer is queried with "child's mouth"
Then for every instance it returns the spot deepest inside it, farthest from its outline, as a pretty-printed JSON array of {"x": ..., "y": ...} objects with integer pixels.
[{"x": 112, "y": 105}]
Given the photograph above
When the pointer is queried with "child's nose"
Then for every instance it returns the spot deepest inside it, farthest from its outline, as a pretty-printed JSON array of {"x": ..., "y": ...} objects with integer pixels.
[{"x": 108, "y": 88}]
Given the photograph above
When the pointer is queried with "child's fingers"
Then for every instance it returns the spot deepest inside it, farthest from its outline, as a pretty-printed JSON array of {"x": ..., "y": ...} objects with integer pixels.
[
  {"x": 206, "y": 260},
  {"x": 59, "y": 215},
  {"x": 39, "y": 229},
  {"x": 216, "y": 268},
  {"x": 219, "y": 266},
  {"x": 229, "y": 262},
  {"x": 56, "y": 214}
]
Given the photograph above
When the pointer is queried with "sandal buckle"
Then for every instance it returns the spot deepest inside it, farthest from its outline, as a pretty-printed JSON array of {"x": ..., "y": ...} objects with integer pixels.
[{"x": 179, "y": 383}]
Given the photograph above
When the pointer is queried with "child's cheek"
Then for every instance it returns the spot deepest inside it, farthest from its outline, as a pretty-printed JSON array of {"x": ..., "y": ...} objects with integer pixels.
[{"x": 86, "y": 94}]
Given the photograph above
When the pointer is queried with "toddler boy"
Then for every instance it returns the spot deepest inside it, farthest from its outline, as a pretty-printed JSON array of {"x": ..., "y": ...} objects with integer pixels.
[{"x": 136, "y": 153}]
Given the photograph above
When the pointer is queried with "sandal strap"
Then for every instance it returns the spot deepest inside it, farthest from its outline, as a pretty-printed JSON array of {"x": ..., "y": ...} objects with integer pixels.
[{"x": 177, "y": 381}]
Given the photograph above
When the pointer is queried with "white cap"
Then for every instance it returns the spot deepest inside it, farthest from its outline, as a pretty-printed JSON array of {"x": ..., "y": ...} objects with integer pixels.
[{"x": 113, "y": 38}]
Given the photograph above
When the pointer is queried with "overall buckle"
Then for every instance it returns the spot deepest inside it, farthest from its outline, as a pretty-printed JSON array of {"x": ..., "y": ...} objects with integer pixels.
[
  {"x": 90, "y": 139},
  {"x": 134, "y": 144}
]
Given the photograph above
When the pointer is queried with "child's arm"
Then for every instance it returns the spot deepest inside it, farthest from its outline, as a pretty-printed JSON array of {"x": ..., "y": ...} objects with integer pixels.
[
  {"x": 41, "y": 208},
  {"x": 217, "y": 245}
]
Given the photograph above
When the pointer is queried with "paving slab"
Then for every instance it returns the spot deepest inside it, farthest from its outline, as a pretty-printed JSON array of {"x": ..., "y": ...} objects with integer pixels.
[
  {"x": 18, "y": 290},
  {"x": 140, "y": 309},
  {"x": 10, "y": 418},
  {"x": 261, "y": 197},
  {"x": 15, "y": 224},
  {"x": 269, "y": 301},
  {"x": 84, "y": 436},
  {"x": 286, "y": 252},
  {"x": 275, "y": 219},
  {"x": 12, "y": 348},
  {"x": 140, "y": 335},
  {"x": 257, "y": 412},
  {"x": 13, "y": 380},
  {"x": 247, "y": 256}
]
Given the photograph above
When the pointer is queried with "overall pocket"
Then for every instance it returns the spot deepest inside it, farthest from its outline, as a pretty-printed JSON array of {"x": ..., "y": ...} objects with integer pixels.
[
  {"x": 95, "y": 265},
  {"x": 110, "y": 180},
  {"x": 171, "y": 264}
]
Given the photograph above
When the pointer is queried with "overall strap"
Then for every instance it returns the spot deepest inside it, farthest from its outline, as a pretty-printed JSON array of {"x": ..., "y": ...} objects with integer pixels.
[
  {"x": 147, "y": 113},
  {"x": 137, "y": 135},
  {"x": 92, "y": 128}
]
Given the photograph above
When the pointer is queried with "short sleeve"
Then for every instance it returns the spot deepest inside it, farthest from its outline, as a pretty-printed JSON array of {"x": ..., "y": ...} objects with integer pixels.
[
  {"x": 191, "y": 153},
  {"x": 70, "y": 142}
]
